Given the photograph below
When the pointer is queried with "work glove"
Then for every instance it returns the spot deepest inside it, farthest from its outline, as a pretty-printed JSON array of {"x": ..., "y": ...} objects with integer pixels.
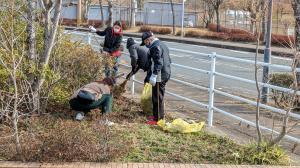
[
  {"x": 92, "y": 29},
  {"x": 152, "y": 80}
]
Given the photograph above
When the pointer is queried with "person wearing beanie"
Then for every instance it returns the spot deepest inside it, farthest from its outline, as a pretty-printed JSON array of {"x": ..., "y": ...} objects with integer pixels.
[
  {"x": 139, "y": 57},
  {"x": 112, "y": 45}
]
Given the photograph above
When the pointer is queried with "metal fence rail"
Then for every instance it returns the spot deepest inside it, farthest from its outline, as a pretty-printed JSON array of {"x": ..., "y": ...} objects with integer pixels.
[{"x": 211, "y": 90}]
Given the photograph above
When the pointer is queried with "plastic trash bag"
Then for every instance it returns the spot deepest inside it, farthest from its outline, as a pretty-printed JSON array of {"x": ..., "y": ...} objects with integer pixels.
[
  {"x": 180, "y": 126},
  {"x": 146, "y": 99}
]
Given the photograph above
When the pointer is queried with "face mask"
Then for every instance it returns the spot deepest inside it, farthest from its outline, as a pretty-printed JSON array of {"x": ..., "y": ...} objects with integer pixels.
[{"x": 116, "y": 29}]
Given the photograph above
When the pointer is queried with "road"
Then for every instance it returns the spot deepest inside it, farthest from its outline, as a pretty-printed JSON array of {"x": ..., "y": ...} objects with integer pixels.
[{"x": 203, "y": 62}]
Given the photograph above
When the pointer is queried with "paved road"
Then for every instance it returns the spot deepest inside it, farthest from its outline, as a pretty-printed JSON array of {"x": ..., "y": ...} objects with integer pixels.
[{"x": 179, "y": 55}]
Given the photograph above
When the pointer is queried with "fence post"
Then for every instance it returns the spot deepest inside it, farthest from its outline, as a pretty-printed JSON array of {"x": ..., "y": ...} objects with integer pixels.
[
  {"x": 211, "y": 89},
  {"x": 132, "y": 85},
  {"x": 89, "y": 38}
]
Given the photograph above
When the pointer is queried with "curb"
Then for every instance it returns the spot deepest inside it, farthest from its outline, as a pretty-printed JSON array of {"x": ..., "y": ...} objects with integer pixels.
[{"x": 212, "y": 43}]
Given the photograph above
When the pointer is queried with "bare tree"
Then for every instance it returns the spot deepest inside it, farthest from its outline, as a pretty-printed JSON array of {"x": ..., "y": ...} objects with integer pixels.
[
  {"x": 87, "y": 3},
  {"x": 257, "y": 22},
  {"x": 133, "y": 12},
  {"x": 216, "y": 6},
  {"x": 296, "y": 8},
  {"x": 50, "y": 31},
  {"x": 11, "y": 57},
  {"x": 31, "y": 30},
  {"x": 173, "y": 15},
  {"x": 101, "y": 13},
  {"x": 110, "y": 13},
  {"x": 254, "y": 7}
]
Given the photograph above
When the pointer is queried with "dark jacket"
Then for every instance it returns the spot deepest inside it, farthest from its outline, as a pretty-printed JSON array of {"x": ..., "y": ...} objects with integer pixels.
[
  {"x": 159, "y": 54},
  {"x": 112, "y": 42},
  {"x": 138, "y": 55}
]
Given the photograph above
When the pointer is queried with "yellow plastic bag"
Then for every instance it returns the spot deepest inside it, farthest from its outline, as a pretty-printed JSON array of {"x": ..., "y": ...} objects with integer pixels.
[
  {"x": 146, "y": 99},
  {"x": 180, "y": 126}
]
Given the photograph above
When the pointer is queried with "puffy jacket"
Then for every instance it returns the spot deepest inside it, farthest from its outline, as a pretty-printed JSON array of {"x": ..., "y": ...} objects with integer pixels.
[{"x": 112, "y": 41}]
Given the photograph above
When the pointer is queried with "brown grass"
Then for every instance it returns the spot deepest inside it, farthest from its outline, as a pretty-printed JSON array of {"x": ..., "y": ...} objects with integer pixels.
[{"x": 157, "y": 30}]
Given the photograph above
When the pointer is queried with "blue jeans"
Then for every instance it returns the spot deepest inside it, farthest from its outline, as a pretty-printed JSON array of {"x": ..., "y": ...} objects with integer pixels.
[{"x": 114, "y": 71}]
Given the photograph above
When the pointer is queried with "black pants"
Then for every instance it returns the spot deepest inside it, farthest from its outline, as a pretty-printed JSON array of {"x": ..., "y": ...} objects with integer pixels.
[{"x": 158, "y": 93}]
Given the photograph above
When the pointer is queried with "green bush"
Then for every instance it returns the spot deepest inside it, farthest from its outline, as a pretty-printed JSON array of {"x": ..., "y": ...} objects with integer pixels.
[
  {"x": 74, "y": 66},
  {"x": 266, "y": 156},
  {"x": 280, "y": 98}
]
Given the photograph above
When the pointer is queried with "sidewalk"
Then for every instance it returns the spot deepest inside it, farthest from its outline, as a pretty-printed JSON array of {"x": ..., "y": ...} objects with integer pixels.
[
  {"x": 239, "y": 46},
  {"x": 127, "y": 165}
]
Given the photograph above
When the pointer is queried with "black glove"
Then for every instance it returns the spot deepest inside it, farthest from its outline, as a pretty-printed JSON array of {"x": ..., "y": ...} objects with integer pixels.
[
  {"x": 129, "y": 76},
  {"x": 146, "y": 80}
]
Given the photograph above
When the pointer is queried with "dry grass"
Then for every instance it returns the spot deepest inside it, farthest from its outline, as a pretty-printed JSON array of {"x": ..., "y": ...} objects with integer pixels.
[{"x": 156, "y": 30}]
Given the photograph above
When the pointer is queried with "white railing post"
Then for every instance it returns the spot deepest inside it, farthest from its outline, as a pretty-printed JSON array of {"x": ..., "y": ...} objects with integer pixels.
[
  {"x": 132, "y": 85},
  {"x": 89, "y": 38},
  {"x": 211, "y": 89}
]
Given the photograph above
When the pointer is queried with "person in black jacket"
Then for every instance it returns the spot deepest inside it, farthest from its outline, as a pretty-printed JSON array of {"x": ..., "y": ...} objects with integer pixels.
[
  {"x": 159, "y": 74},
  {"x": 139, "y": 57},
  {"x": 112, "y": 45}
]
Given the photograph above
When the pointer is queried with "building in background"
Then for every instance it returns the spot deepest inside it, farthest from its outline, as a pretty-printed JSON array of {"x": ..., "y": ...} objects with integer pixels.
[
  {"x": 153, "y": 13},
  {"x": 160, "y": 13}
]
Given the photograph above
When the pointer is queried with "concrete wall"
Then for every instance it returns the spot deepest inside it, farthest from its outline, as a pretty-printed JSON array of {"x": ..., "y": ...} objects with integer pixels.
[
  {"x": 69, "y": 12},
  {"x": 161, "y": 14},
  {"x": 153, "y": 13}
]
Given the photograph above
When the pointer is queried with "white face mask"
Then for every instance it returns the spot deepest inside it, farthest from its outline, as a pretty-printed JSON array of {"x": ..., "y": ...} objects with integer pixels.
[{"x": 116, "y": 29}]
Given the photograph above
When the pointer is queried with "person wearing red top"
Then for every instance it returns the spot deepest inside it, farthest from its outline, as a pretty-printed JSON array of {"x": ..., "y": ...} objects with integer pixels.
[{"x": 112, "y": 45}]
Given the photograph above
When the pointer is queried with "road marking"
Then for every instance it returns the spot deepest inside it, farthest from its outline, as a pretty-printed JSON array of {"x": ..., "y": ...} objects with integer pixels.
[
  {"x": 176, "y": 55},
  {"x": 242, "y": 52},
  {"x": 282, "y": 58},
  {"x": 188, "y": 44}
]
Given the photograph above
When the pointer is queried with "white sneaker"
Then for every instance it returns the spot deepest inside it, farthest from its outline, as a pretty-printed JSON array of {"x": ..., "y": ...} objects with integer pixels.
[
  {"x": 79, "y": 116},
  {"x": 106, "y": 122}
]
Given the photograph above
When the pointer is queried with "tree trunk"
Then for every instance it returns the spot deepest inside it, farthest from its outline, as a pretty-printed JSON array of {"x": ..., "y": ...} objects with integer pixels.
[
  {"x": 110, "y": 13},
  {"x": 263, "y": 28},
  {"x": 101, "y": 12},
  {"x": 173, "y": 14},
  {"x": 15, "y": 117},
  {"x": 257, "y": 115},
  {"x": 218, "y": 20},
  {"x": 296, "y": 8},
  {"x": 133, "y": 11},
  {"x": 31, "y": 31},
  {"x": 50, "y": 29}
]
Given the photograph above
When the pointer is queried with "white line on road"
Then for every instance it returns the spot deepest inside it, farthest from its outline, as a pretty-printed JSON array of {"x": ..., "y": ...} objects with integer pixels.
[{"x": 241, "y": 52}]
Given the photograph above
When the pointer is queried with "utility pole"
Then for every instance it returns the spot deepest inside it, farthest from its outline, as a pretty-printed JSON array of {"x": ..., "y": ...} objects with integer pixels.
[
  {"x": 182, "y": 18},
  {"x": 133, "y": 13},
  {"x": 78, "y": 12},
  {"x": 267, "y": 53}
]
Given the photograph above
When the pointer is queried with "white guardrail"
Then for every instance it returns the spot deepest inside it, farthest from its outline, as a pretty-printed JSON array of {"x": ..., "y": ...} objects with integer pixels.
[{"x": 211, "y": 90}]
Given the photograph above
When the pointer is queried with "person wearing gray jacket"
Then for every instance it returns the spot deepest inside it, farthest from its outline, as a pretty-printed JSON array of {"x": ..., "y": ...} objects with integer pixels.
[{"x": 139, "y": 57}]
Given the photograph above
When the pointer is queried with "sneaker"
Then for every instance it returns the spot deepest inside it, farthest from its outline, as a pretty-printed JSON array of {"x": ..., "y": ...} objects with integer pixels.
[
  {"x": 106, "y": 122},
  {"x": 79, "y": 116},
  {"x": 150, "y": 118},
  {"x": 151, "y": 123}
]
